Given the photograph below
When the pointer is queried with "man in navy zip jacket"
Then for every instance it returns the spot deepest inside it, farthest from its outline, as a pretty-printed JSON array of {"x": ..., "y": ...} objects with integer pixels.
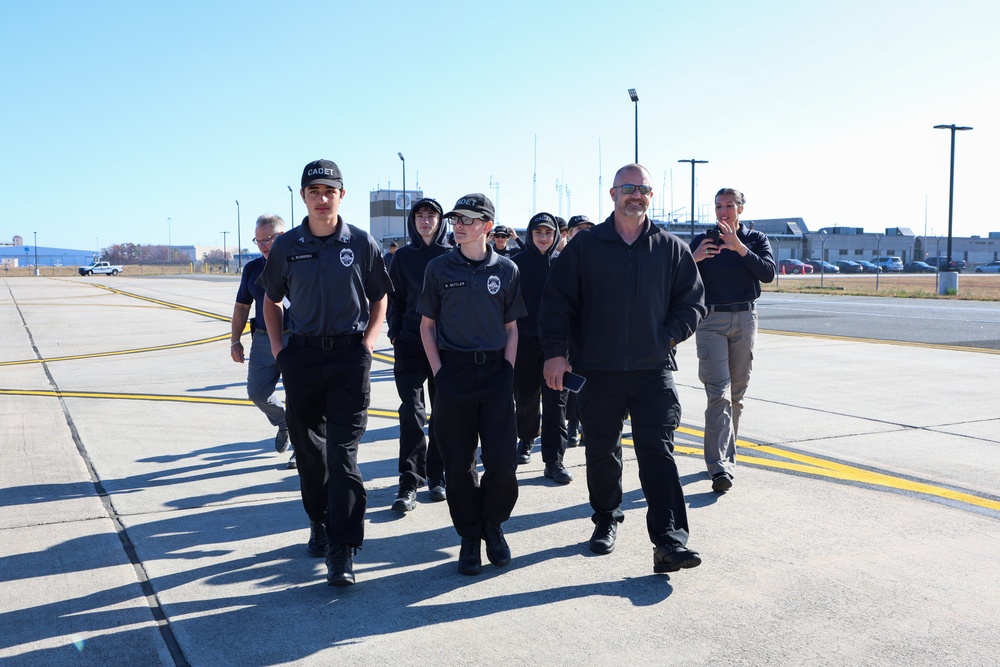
[
  {"x": 419, "y": 456},
  {"x": 628, "y": 293},
  {"x": 534, "y": 261}
]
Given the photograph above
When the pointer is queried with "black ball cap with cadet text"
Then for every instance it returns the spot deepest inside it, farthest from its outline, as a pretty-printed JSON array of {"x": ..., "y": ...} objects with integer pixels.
[
  {"x": 475, "y": 205},
  {"x": 322, "y": 172}
]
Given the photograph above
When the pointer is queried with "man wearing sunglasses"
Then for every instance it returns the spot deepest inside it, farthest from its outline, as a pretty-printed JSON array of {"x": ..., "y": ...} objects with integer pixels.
[
  {"x": 625, "y": 320},
  {"x": 469, "y": 307},
  {"x": 501, "y": 241},
  {"x": 263, "y": 372}
]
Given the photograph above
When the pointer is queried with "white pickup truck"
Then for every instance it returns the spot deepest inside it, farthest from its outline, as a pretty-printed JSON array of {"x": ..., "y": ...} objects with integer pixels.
[{"x": 100, "y": 268}]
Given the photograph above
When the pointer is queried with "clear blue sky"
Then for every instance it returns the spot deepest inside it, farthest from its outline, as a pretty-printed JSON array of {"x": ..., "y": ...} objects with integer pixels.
[{"x": 120, "y": 115}]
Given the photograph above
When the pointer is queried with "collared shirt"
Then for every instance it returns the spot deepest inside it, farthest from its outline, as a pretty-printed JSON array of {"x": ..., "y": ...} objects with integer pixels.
[
  {"x": 471, "y": 303},
  {"x": 730, "y": 278},
  {"x": 250, "y": 292},
  {"x": 330, "y": 282}
]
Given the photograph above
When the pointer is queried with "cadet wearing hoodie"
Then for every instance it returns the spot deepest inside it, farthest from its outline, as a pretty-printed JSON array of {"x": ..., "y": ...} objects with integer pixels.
[
  {"x": 534, "y": 261},
  {"x": 419, "y": 456}
]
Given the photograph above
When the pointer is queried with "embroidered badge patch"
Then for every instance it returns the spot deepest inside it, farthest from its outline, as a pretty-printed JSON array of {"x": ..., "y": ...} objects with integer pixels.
[
  {"x": 347, "y": 257},
  {"x": 493, "y": 284}
]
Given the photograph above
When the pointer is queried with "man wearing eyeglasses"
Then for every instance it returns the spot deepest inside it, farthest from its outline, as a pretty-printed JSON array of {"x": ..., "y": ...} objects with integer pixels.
[
  {"x": 334, "y": 276},
  {"x": 262, "y": 372},
  {"x": 645, "y": 298},
  {"x": 469, "y": 307}
]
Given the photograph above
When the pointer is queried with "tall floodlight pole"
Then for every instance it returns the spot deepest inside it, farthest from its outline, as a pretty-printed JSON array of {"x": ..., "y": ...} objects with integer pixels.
[
  {"x": 291, "y": 205},
  {"x": 635, "y": 99},
  {"x": 239, "y": 250},
  {"x": 951, "y": 182},
  {"x": 403, "y": 160},
  {"x": 225, "y": 261},
  {"x": 693, "y": 163}
]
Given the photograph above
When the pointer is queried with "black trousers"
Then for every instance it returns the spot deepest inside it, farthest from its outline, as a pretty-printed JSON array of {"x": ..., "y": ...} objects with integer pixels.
[
  {"x": 419, "y": 455},
  {"x": 473, "y": 405},
  {"x": 326, "y": 395},
  {"x": 529, "y": 384},
  {"x": 650, "y": 398}
]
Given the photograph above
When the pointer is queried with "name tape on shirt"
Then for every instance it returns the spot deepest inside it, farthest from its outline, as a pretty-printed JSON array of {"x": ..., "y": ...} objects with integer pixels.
[
  {"x": 303, "y": 255},
  {"x": 457, "y": 283}
]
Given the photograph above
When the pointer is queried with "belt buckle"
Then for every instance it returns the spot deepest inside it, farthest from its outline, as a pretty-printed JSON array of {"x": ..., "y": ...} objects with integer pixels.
[
  {"x": 479, "y": 356},
  {"x": 327, "y": 343}
]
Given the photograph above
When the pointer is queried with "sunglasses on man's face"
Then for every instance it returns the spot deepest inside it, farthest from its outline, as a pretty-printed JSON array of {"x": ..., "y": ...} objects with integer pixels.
[{"x": 628, "y": 189}]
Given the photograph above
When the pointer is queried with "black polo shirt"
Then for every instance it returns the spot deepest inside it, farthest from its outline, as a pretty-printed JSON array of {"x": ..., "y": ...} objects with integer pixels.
[
  {"x": 330, "y": 283},
  {"x": 471, "y": 304}
]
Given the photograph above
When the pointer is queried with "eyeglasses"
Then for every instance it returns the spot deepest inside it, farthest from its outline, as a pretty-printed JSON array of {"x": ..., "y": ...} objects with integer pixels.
[
  {"x": 464, "y": 221},
  {"x": 265, "y": 242},
  {"x": 628, "y": 189},
  {"x": 501, "y": 236}
]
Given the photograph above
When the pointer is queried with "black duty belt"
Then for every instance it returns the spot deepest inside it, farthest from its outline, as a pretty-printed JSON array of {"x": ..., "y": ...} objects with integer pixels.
[
  {"x": 479, "y": 357},
  {"x": 733, "y": 307},
  {"x": 324, "y": 342}
]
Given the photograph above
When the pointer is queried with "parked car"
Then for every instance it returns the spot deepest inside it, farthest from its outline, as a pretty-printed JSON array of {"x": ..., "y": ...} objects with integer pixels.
[
  {"x": 941, "y": 264},
  {"x": 919, "y": 267},
  {"x": 889, "y": 263},
  {"x": 819, "y": 266},
  {"x": 847, "y": 266},
  {"x": 793, "y": 266},
  {"x": 868, "y": 266},
  {"x": 992, "y": 267}
]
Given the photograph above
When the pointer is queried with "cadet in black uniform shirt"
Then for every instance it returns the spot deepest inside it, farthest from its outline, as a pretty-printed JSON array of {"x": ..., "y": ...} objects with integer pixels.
[
  {"x": 470, "y": 305},
  {"x": 334, "y": 276}
]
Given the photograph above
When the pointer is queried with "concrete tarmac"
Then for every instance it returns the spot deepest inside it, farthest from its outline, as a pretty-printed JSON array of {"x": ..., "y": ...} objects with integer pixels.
[{"x": 145, "y": 518}]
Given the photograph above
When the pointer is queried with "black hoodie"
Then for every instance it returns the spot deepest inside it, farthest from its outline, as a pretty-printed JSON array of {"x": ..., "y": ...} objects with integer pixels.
[
  {"x": 534, "y": 268},
  {"x": 407, "y": 274}
]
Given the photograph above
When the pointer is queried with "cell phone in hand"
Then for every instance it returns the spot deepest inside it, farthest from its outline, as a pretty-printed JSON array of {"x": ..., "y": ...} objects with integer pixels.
[{"x": 573, "y": 382}]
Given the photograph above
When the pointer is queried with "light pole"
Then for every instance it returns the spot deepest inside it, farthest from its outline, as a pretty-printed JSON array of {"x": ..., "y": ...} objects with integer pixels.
[
  {"x": 693, "y": 163},
  {"x": 878, "y": 253},
  {"x": 635, "y": 99},
  {"x": 822, "y": 258},
  {"x": 291, "y": 204},
  {"x": 224, "y": 259},
  {"x": 951, "y": 282},
  {"x": 403, "y": 160},
  {"x": 239, "y": 260}
]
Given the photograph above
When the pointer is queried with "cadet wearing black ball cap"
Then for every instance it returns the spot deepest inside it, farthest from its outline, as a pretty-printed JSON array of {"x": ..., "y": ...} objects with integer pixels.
[
  {"x": 469, "y": 306},
  {"x": 334, "y": 275},
  {"x": 501, "y": 237},
  {"x": 577, "y": 224}
]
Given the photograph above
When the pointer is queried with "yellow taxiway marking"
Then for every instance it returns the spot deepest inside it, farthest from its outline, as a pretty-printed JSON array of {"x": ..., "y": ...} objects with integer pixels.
[
  {"x": 855, "y": 339},
  {"x": 166, "y": 304},
  {"x": 819, "y": 467}
]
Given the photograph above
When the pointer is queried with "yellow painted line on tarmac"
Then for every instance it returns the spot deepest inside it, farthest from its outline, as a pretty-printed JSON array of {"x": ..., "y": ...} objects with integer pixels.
[
  {"x": 115, "y": 353},
  {"x": 167, "y": 304},
  {"x": 169, "y": 398},
  {"x": 902, "y": 343},
  {"x": 811, "y": 465}
]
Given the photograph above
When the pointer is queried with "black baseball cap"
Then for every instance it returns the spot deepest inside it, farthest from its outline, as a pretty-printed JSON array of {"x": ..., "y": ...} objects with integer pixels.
[
  {"x": 578, "y": 220},
  {"x": 322, "y": 172},
  {"x": 501, "y": 230},
  {"x": 475, "y": 205},
  {"x": 543, "y": 220},
  {"x": 562, "y": 222}
]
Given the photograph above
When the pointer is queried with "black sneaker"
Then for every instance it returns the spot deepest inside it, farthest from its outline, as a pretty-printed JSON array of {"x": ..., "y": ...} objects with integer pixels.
[
  {"x": 496, "y": 546},
  {"x": 436, "y": 490},
  {"x": 572, "y": 432},
  {"x": 603, "y": 539},
  {"x": 281, "y": 441},
  {"x": 674, "y": 557},
  {"x": 340, "y": 565},
  {"x": 722, "y": 482},
  {"x": 406, "y": 499},
  {"x": 292, "y": 465},
  {"x": 557, "y": 472},
  {"x": 316, "y": 546},
  {"x": 524, "y": 451},
  {"x": 470, "y": 559}
]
